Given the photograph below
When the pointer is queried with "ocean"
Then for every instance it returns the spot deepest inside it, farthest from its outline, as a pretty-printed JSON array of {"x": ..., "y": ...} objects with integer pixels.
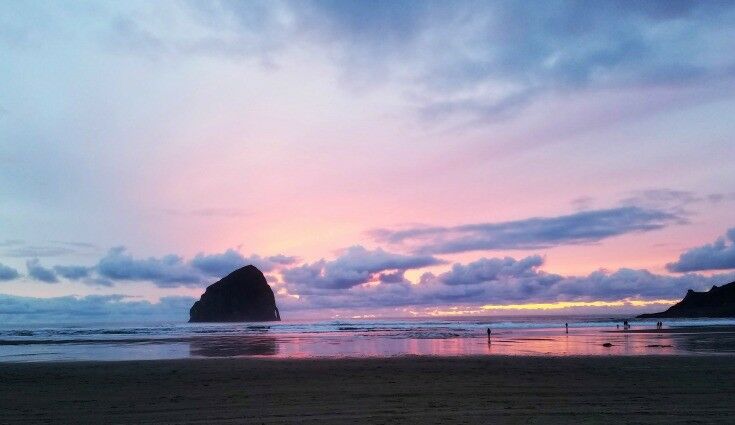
[{"x": 511, "y": 335}]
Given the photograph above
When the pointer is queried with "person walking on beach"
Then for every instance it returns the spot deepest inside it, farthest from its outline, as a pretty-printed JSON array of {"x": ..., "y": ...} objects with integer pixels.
[
  {"x": 488, "y": 335},
  {"x": 566, "y": 327}
]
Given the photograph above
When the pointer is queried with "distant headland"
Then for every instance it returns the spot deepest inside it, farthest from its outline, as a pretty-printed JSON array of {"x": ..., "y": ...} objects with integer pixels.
[
  {"x": 717, "y": 302},
  {"x": 241, "y": 296}
]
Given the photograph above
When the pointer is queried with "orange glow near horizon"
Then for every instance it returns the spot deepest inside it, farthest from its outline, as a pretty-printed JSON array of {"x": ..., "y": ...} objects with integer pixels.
[
  {"x": 571, "y": 304},
  {"x": 560, "y": 305}
]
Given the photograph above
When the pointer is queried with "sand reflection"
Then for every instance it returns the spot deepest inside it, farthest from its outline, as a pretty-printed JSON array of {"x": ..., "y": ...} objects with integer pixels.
[
  {"x": 586, "y": 342},
  {"x": 513, "y": 342},
  {"x": 234, "y": 346}
]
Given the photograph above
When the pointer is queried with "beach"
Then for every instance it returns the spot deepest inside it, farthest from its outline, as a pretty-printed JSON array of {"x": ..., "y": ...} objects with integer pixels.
[
  {"x": 405, "y": 389},
  {"x": 524, "y": 336}
]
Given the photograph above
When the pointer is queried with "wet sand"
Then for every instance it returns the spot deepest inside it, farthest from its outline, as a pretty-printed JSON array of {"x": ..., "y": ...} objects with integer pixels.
[
  {"x": 711, "y": 340},
  {"x": 678, "y": 330},
  {"x": 491, "y": 389}
]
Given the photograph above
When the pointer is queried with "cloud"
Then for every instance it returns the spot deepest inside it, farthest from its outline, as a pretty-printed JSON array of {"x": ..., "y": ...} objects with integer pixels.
[
  {"x": 282, "y": 260},
  {"x": 485, "y": 270},
  {"x": 8, "y": 273},
  {"x": 717, "y": 198},
  {"x": 534, "y": 233},
  {"x": 478, "y": 60},
  {"x": 37, "y": 251},
  {"x": 256, "y": 31},
  {"x": 224, "y": 263},
  {"x": 583, "y": 203},
  {"x": 675, "y": 201},
  {"x": 18, "y": 248},
  {"x": 487, "y": 60},
  {"x": 107, "y": 308},
  {"x": 719, "y": 255},
  {"x": 166, "y": 271},
  {"x": 392, "y": 277},
  {"x": 72, "y": 272},
  {"x": 485, "y": 281},
  {"x": 40, "y": 273},
  {"x": 76, "y": 244},
  {"x": 375, "y": 279},
  {"x": 356, "y": 266},
  {"x": 11, "y": 242},
  {"x": 508, "y": 281},
  {"x": 219, "y": 264}
]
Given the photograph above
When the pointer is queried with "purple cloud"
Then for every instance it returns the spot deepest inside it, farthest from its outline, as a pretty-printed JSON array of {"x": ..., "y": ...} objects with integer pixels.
[
  {"x": 534, "y": 233},
  {"x": 719, "y": 255},
  {"x": 491, "y": 269},
  {"x": 355, "y": 266},
  {"x": 8, "y": 273},
  {"x": 72, "y": 272},
  {"x": 223, "y": 263},
  {"x": 508, "y": 281},
  {"x": 166, "y": 271},
  {"x": 40, "y": 273}
]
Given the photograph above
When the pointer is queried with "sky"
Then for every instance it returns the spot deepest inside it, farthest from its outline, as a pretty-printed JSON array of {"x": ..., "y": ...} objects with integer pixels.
[{"x": 373, "y": 159}]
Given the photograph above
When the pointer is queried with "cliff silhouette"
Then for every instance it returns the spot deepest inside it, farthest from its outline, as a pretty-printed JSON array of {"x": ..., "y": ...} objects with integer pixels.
[{"x": 717, "y": 302}]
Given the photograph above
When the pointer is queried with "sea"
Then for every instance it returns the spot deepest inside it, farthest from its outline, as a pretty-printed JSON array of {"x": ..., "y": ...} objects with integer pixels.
[{"x": 468, "y": 336}]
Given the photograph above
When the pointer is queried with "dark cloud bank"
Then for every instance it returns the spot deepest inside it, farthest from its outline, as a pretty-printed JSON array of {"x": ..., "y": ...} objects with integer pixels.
[
  {"x": 492, "y": 281},
  {"x": 360, "y": 278},
  {"x": 719, "y": 255},
  {"x": 449, "y": 53},
  {"x": 8, "y": 273},
  {"x": 40, "y": 273},
  {"x": 534, "y": 233},
  {"x": 169, "y": 271},
  {"x": 354, "y": 267},
  {"x": 375, "y": 278}
]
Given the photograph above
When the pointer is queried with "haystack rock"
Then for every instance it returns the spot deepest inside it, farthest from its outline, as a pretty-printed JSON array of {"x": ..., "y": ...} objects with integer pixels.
[
  {"x": 241, "y": 296},
  {"x": 717, "y": 302}
]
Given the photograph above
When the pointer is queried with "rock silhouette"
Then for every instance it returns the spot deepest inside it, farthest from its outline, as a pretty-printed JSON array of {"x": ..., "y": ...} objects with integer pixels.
[
  {"x": 241, "y": 296},
  {"x": 717, "y": 302}
]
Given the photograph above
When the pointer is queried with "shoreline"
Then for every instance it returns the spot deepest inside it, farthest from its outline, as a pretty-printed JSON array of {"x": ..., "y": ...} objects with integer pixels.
[
  {"x": 361, "y": 341},
  {"x": 678, "y": 330},
  {"x": 412, "y": 389}
]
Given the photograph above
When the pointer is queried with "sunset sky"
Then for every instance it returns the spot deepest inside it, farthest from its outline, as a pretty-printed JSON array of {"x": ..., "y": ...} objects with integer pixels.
[{"x": 377, "y": 158}]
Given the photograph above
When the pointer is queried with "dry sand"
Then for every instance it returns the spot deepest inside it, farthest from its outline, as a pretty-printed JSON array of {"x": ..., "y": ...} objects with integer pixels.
[{"x": 498, "y": 390}]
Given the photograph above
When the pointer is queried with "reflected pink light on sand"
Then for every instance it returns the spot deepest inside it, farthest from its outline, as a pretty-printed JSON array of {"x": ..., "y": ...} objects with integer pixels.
[
  {"x": 712, "y": 340},
  {"x": 588, "y": 342}
]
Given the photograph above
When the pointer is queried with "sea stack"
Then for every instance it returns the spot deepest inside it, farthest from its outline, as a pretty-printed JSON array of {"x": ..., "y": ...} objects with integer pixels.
[
  {"x": 241, "y": 296},
  {"x": 717, "y": 302}
]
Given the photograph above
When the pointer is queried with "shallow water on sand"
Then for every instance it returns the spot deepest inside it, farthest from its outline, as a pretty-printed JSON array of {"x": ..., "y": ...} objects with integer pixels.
[{"x": 362, "y": 338}]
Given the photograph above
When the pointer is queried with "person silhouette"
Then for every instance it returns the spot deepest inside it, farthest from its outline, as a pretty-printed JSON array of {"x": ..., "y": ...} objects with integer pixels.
[
  {"x": 489, "y": 332},
  {"x": 566, "y": 327}
]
